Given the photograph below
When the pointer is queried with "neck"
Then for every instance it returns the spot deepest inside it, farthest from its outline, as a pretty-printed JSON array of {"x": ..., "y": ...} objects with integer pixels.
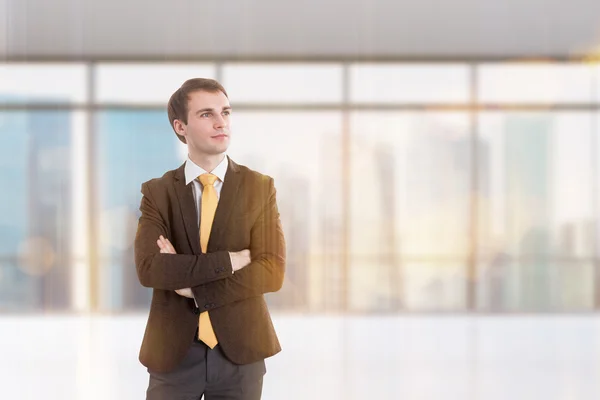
[{"x": 208, "y": 162}]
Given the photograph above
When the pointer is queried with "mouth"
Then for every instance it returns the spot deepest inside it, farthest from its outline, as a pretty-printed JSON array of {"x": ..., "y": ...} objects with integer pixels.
[{"x": 219, "y": 136}]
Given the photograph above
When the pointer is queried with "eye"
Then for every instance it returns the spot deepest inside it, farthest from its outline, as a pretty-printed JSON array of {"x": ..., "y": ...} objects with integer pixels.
[
  {"x": 226, "y": 112},
  {"x": 205, "y": 115}
]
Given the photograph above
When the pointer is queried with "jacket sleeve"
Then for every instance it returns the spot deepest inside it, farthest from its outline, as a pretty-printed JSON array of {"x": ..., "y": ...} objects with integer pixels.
[
  {"x": 266, "y": 270},
  {"x": 171, "y": 271}
]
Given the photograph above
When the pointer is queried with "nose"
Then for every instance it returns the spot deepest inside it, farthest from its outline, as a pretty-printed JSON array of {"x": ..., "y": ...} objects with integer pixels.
[{"x": 219, "y": 121}]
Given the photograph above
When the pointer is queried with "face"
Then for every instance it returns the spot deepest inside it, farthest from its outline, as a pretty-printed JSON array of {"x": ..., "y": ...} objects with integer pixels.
[{"x": 207, "y": 130}]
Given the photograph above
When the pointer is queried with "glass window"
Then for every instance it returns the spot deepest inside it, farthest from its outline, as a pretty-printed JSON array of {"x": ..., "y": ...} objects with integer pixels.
[
  {"x": 42, "y": 83},
  {"x": 145, "y": 83},
  {"x": 534, "y": 285},
  {"x": 535, "y": 208},
  {"x": 535, "y": 83},
  {"x": 36, "y": 173},
  {"x": 283, "y": 83},
  {"x": 418, "y": 83},
  {"x": 410, "y": 193},
  {"x": 434, "y": 285},
  {"x": 409, "y": 202}
]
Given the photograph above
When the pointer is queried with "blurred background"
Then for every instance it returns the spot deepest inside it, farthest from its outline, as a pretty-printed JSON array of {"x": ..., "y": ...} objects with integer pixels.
[{"x": 437, "y": 168}]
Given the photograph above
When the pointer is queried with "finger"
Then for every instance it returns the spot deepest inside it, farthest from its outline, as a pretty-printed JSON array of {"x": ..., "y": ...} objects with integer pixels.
[
  {"x": 170, "y": 249},
  {"x": 163, "y": 240},
  {"x": 170, "y": 246},
  {"x": 160, "y": 244}
]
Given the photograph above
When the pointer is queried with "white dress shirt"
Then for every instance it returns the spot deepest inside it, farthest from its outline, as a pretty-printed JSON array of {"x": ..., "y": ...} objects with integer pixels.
[{"x": 193, "y": 171}]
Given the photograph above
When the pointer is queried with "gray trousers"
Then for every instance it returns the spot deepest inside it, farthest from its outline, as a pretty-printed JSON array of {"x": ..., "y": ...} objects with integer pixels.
[{"x": 206, "y": 371}]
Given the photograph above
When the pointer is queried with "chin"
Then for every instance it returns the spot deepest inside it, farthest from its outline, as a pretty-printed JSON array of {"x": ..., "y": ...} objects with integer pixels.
[
  {"x": 217, "y": 151},
  {"x": 222, "y": 149}
]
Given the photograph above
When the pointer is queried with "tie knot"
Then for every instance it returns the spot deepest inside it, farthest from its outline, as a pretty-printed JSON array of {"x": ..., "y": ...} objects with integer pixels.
[{"x": 207, "y": 179}]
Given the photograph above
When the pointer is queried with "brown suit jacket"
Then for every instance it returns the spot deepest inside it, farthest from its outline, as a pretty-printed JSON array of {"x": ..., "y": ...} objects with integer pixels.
[{"x": 246, "y": 218}]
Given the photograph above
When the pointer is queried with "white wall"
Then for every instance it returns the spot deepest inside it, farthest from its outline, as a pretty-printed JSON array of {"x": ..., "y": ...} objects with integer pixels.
[{"x": 188, "y": 28}]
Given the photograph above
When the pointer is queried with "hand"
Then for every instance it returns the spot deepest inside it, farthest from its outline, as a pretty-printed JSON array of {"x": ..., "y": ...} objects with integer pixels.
[
  {"x": 166, "y": 247},
  {"x": 239, "y": 259},
  {"x": 187, "y": 292}
]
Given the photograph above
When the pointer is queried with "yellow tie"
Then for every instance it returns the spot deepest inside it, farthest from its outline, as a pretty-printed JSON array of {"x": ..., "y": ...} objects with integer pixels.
[{"x": 208, "y": 207}]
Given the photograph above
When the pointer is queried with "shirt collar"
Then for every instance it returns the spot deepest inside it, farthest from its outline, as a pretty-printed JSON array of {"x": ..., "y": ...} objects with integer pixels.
[{"x": 192, "y": 170}]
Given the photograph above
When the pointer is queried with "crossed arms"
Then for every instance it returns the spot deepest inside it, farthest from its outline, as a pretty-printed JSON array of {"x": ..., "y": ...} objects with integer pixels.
[{"x": 210, "y": 275}]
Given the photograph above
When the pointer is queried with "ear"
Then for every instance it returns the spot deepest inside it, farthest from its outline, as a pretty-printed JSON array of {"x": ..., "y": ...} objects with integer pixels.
[{"x": 179, "y": 127}]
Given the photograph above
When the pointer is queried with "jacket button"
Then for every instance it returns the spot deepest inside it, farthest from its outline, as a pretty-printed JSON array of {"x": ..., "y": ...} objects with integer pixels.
[
  {"x": 196, "y": 310},
  {"x": 207, "y": 305}
]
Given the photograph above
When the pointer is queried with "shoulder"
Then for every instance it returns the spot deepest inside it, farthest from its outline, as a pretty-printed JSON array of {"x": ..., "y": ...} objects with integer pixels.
[
  {"x": 255, "y": 178},
  {"x": 162, "y": 183}
]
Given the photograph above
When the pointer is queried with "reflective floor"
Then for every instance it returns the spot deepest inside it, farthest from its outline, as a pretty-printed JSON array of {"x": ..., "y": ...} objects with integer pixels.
[{"x": 324, "y": 357}]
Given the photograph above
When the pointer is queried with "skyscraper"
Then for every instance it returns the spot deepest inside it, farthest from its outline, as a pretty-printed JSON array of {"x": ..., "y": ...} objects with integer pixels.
[
  {"x": 49, "y": 201},
  {"x": 528, "y": 188}
]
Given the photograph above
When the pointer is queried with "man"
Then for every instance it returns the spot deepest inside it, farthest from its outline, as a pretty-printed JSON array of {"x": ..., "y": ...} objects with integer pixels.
[{"x": 210, "y": 243}]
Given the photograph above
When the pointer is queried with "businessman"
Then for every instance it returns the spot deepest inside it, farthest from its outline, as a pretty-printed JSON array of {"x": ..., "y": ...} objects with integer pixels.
[{"x": 210, "y": 243}]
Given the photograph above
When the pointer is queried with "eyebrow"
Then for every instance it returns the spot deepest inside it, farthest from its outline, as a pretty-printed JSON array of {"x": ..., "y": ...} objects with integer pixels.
[{"x": 203, "y": 110}]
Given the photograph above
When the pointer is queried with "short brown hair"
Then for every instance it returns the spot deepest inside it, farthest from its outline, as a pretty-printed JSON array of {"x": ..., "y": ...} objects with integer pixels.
[{"x": 178, "y": 103}]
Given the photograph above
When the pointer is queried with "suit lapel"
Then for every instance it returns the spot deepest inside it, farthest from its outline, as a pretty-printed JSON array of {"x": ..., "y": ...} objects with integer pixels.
[
  {"x": 188, "y": 209},
  {"x": 226, "y": 203}
]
